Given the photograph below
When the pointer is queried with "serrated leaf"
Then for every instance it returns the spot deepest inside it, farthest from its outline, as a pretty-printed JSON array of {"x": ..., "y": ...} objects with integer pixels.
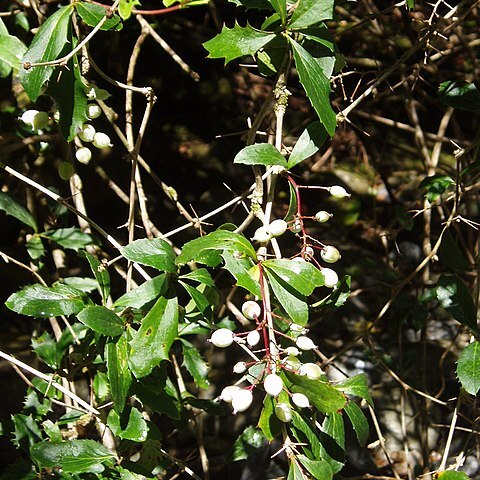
[
  {"x": 260, "y": 154},
  {"x": 358, "y": 420},
  {"x": 73, "y": 456},
  {"x": 357, "y": 386},
  {"x": 26, "y": 431},
  {"x": 119, "y": 376},
  {"x": 316, "y": 85},
  {"x": 460, "y": 95},
  {"x": 322, "y": 395},
  {"x": 155, "y": 253},
  {"x": 11, "y": 52},
  {"x": 14, "y": 209},
  {"x": 456, "y": 300},
  {"x": 145, "y": 293},
  {"x": 236, "y": 42},
  {"x": 308, "y": 144},
  {"x": 100, "y": 273},
  {"x": 48, "y": 43},
  {"x": 43, "y": 302},
  {"x": 91, "y": 14},
  {"x": 317, "y": 468},
  {"x": 311, "y": 12},
  {"x": 151, "y": 344},
  {"x": 468, "y": 368},
  {"x": 240, "y": 268},
  {"x": 195, "y": 364},
  {"x": 201, "y": 275},
  {"x": 102, "y": 320},
  {"x": 71, "y": 237},
  {"x": 129, "y": 425}
]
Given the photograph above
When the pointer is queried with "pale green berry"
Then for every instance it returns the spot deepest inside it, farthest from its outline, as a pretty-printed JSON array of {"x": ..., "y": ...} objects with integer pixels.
[
  {"x": 40, "y": 120},
  {"x": 322, "y": 216},
  {"x": 283, "y": 412},
  {"x": 228, "y": 393},
  {"x": 240, "y": 367},
  {"x": 222, "y": 337},
  {"x": 241, "y": 400},
  {"x": 338, "y": 192},
  {"x": 101, "y": 140},
  {"x": 330, "y": 254},
  {"x": 309, "y": 252},
  {"x": 311, "y": 371},
  {"x": 251, "y": 310},
  {"x": 93, "y": 111},
  {"x": 292, "y": 351},
  {"x": 300, "y": 400},
  {"x": 292, "y": 362},
  {"x": 330, "y": 277},
  {"x": 83, "y": 155},
  {"x": 296, "y": 227},
  {"x": 87, "y": 133},
  {"x": 253, "y": 338},
  {"x": 95, "y": 93},
  {"x": 295, "y": 327},
  {"x": 278, "y": 227},
  {"x": 262, "y": 235},
  {"x": 305, "y": 343},
  {"x": 273, "y": 384},
  {"x": 65, "y": 170}
]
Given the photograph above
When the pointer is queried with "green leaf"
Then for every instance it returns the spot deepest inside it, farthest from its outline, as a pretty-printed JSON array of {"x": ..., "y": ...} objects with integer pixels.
[
  {"x": 322, "y": 395},
  {"x": 260, "y": 154},
  {"x": 125, "y": 8},
  {"x": 292, "y": 211},
  {"x": 271, "y": 57},
  {"x": 456, "y": 300},
  {"x": 100, "y": 386},
  {"x": 85, "y": 284},
  {"x": 48, "y": 43},
  {"x": 100, "y": 273},
  {"x": 357, "y": 386},
  {"x": 460, "y": 95},
  {"x": 453, "y": 475},
  {"x": 14, "y": 209},
  {"x": 334, "y": 427},
  {"x": 280, "y": 6},
  {"x": 219, "y": 240},
  {"x": 338, "y": 296},
  {"x": 151, "y": 344},
  {"x": 450, "y": 254},
  {"x": 195, "y": 364},
  {"x": 158, "y": 401},
  {"x": 73, "y": 456},
  {"x": 102, "y": 320},
  {"x": 129, "y": 425},
  {"x": 435, "y": 185},
  {"x": 248, "y": 442},
  {"x": 311, "y": 12},
  {"x": 91, "y": 14},
  {"x": 468, "y": 368},
  {"x": 26, "y": 431},
  {"x": 317, "y": 468},
  {"x": 11, "y": 52},
  {"x": 268, "y": 421},
  {"x": 155, "y": 253},
  {"x": 240, "y": 268},
  {"x": 35, "y": 247},
  {"x": 359, "y": 422},
  {"x": 310, "y": 141},
  {"x": 236, "y": 42},
  {"x": 411, "y": 4},
  {"x": 145, "y": 293},
  {"x": 119, "y": 376},
  {"x": 199, "y": 299},
  {"x": 316, "y": 85},
  {"x": 295, "y": 472},
  {"x": 48, "y": 350},
  {"x": 71, "y": 237},
  {"x": 300, "y": 275},
  {"x": 43, "y": 302},
  {"x": 201, "y": 275}
]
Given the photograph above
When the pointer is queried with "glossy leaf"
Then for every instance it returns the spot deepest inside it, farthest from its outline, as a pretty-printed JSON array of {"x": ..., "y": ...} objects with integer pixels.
[
  {"x": 460, "y": 95},
  {"x": 268, "y": 421},
  {"x": 200, "y": 300},
  {"x": 295, "y": 472},
  {"x": 334, "y": 427},
  {"x": 35, "y": 247},
  {"x": 143, "y": 294},
  {"x": 71, "y": 237},
  {"x": 468, "y": 368},
  {"x": 43, "y": 302},
  {"x": 14, "y": 209},
  {"x": 240, "y": 268},
  {"x": 456, "y": 300},
  {"x": 151, "y": 344},
  {"x": 155, "y": 253},
  {"x": 85, "y": 284},
  {"x": 47, "y": 45},
  {"x": 435, "y": 185},
  {"x": 72, "y": 456},
  {"x": 311, "y": 12},
  {"x": 280, "y": 6},
  {"x": 102, "y": 320},
  {"x": 316, "y": 468},
  {"x": 129, "y": 425},
  {"x": 196, "y": 366},
  {"x": 310, "y": 141},
  {"x": 357, "y": 386},
  {"x": 453, "y": 475},
  {"x": 100, "y": 273},
  {"x": 236, "y": 42},
  {"x": 201, "y": 275},
  {"x": 91, "y": 14},
  {"x": 125, "y": 8},
  {"x": 292, "y": 211},
  {"x": 358, "y": 420},
  {"x": 11, "y": 52},
  {"x": 316, "y": 85},
  {"x": 249, "y": 441},
  {"x": 119, "y": 376},
  {"x": 260, "y": 154}
]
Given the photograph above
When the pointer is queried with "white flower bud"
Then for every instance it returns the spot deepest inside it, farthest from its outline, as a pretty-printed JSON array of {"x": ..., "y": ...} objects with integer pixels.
[
  {"x": 251, "y": 310},
  {"x": 241, "y": 400},
  {"x": 295, "y": 327},
  {"x": 305, "y": 343},
  {"x": 292, "y": 351},
  {"x": 101, "y": 140},
  {"x": 330, "y": 254},
  {"x": 296, "y": 227},
  {"x": 311, "y": 371},
  {"x": 262, "y": 235},
  {"x": 338, "y": 192},
  {"x": 300, "y": 400},
  {"x": 28, "y": 117},
  {"x": 228, "y": 393},
  {"x": 292, "y": 362},
  {"x": 253, "y": 338},
  {"x": 222, "y": 337},
  {"x": 322, "y": 216},
  {"x": 278, "y": 227},
  {"x": 240, "y": 367},
  {"x": 95, "y": 93},
  {"x": 83, "y": 155},
  {"x": 283, "y": 412},
  {"x": 87, "y": 133},
  {"x": 93, "y": 111},
  {"x": 330, "y": 277},
  {"x": 273, "y": 384}
]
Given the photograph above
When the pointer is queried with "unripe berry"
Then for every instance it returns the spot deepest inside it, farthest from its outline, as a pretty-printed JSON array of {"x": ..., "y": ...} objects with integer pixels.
[
  {"x": 322, "y": 216},
  {"x": 222, "y": 337},
  {"x": 309, "y": 252},
  {"x": 300, "y": 400},
  {"x": 240, "y": 367},
  {"x": 295, "y": 327},
  {"x": 283, "y": 412},
  {"x": 262, "y": 235},
  {"x": 28, "y": 117},
  {"x": 330, "y": 277},
  {"x": 278, "y": 227},
  {"x": 292, "y": 362},
  {"x": 330, "y": 254},
  {"x": 87, "y": 133},
  {"x": 311, "y": 371},
  {"x": 101, "y": 140},
  {"x": 83, "y": 155},
  {"x": 253, "y": 338},
  {"x": 40, "y": 120},
  {"x": 251, "y": 310},
  {"x": 228, "y": 393},
  {"x": 273, "y": 384},
  {"x": 241, "y": 400},
  {"x": 305, "y": 343},
  {"x": 65, "y": 170},
  {"x": 93, "y": 111},
  {"x": 95, "y": 93},
  {"x": 292, "y": 351},
  {"x": 338, "y": 192},
  {"x": 296, "y": 227}
]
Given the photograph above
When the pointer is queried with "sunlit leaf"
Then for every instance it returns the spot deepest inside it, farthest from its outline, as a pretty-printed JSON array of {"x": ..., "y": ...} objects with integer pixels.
[
  {"x": 311, "y": 12},
  {"x": 468, "y": 368},
  {"x": 13, "y": 208},
  {"x": 260, "y": 154},
  {"x": 102, "y": 320},
  {"x": 91, "y": 14},
  {"x": 119, "y": 376},
  {"x": 155, "y": 253}
]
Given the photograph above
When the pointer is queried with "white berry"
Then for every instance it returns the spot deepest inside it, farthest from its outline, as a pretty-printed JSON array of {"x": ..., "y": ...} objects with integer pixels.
[
  {"x": 228, "y": 393},
  {"x": 222, "y": 337},
  {"x": 322, "y": 216},
  {"x": 273, "y": 384},
  {"x": 93, "y": 111},
  {"x": 305, "y": 343},
  {"x": 296, "y": 227},
  {"x": 300, "y": 400},
  {"x": 241, "y": 400},
  {"x": 311, "y": 371},
  {"x": 101, "y": 140},
  {"x": 278, "y": 227},
  {"x": 338, "y": 192},
  {"x": 330, "y": 277},
  {"x": 330, "y": 254},
  {"x": 253, "y": 338},
  {"x": 292, "y": 362},
  {"x": 83, "y": 155},
  {"x": 262, "y": 235},
  {"x": 240, "y": 367},
  {"x": 251, "y": 310},
  {"x": 283, "y": 412},
  {"x": 28, "y": 116},
  {"x": 292, "y": 351},
  {"x": 87, "y": 133}
]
